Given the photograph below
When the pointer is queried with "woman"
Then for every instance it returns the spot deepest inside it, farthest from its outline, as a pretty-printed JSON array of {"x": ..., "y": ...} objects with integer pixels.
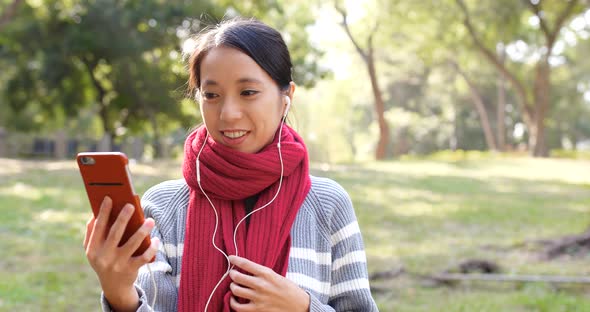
[{"x": 247, "y": 229}]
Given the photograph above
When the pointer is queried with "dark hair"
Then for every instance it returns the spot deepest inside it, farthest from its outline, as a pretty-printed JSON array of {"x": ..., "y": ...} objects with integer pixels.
[{"x": 261, "y": 42}]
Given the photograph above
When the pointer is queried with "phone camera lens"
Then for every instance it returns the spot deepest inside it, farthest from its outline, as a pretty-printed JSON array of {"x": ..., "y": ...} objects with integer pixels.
[{"x": 87, "y": 160}]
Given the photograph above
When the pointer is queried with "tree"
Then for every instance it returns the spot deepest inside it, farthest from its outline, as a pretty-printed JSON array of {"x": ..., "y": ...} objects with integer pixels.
[
  {"x": 367, "y": 54},
  {"x": 479, "y": 104},
  {"x": 120, "y": 58},
  {"x": 289, "y": 17},
  {"x": 534, "y": 99},
  {"x": 501, "y": 103},
  {"x": 98, "y": 54}
]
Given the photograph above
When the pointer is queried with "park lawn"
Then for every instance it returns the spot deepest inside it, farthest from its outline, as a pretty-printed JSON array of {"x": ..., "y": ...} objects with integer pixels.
[{"x": 426, "y": 215}]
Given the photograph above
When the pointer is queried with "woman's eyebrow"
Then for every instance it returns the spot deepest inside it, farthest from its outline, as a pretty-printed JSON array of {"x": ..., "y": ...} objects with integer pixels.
[
  {"x": 249, "y": 80},
  {"x": 209, "y": 82}
]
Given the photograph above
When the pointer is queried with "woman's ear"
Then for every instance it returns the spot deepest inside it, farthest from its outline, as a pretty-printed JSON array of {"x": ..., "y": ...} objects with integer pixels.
[
  {"x": 291, "y": 90},
  {"x": 289, "y": 98}
]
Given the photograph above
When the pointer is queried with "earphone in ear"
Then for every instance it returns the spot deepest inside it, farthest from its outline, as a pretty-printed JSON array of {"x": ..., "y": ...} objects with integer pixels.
[{"x": 288, "y": 99}]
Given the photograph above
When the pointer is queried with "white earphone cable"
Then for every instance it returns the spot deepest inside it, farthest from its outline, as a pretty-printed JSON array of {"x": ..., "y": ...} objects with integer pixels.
[
  {"x": 153, "y": 305},
  {"x": 216, "y": 221},
  {"x": 229, "y": 266},
  {"x": 274, "y": 197}
]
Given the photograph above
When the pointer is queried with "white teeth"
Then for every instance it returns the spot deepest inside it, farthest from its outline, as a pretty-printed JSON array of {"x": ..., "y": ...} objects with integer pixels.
[{"x": 234, "y": 134}]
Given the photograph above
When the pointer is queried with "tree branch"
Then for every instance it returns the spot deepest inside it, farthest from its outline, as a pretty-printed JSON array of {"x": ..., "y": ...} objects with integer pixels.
[
  {"x": 370, "y": 38},
  {"x": 536, "y": 8},
  {"x": 90, "y": 66},
  {"x": 551, "y": 34},
  {"x": 567, "y": 12},
  {"x": 491, "y": 56},
  {"x": 9, "y": 13},
  {"x": 129, "y": 85},
  {"x": 102, "y": 106},
  {"x": 363, "y": 53},
  {"x": 479, "y": 106},
  {"x": 511, "y": 278}
]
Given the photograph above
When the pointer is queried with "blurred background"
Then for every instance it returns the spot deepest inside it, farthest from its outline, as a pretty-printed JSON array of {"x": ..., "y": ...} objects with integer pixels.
[{"x": 460, "y": 129}]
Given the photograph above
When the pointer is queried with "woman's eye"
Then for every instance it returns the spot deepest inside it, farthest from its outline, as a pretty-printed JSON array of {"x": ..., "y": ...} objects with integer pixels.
[
  {"x": 249, "y": 92},
  {"x": 209, "y": 95}
]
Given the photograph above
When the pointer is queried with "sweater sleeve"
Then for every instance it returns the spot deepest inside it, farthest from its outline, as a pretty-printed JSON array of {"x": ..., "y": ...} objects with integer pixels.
[
  {"x": 349, "y": 284},
  {"x": 165, "y": 282}
]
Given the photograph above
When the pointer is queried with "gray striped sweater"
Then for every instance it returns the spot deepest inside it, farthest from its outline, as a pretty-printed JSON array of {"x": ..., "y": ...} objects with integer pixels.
[{"x": 327, "y": 256}]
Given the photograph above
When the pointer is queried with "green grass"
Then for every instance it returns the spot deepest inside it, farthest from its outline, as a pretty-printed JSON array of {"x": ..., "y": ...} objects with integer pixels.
[
  {"x": 44, "y": 210},
  {"x": 423, "y": 214}
]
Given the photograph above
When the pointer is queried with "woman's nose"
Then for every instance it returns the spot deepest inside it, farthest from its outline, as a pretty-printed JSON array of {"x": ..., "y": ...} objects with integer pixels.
[{"x": 231, "y": 110}]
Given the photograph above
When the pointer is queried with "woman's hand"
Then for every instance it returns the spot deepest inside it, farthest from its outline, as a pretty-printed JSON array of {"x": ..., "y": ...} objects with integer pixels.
[
  {"x": 115, "y": 266},
  {"x": 265, "y": 289}
]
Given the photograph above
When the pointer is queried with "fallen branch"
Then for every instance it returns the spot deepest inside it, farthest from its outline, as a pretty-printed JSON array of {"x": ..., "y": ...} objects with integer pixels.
[
  {"x": 447, "y": 277},
  {"x": 577, "y": 245},
  {"x": 568, "y": 244},
  {"x": 474, "y": 266},
  {"x": 476, "y": 270},
  {"x": 389, "y": 274}
]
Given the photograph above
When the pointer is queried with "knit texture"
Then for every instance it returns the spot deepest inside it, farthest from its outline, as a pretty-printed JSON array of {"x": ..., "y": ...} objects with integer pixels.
[
  {"x": 227, "y": 178},
  {"x": 327, "y": 257}
]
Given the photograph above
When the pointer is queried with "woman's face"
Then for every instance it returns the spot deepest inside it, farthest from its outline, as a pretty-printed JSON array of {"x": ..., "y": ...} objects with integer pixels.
[{"x": 240, "y": 103}]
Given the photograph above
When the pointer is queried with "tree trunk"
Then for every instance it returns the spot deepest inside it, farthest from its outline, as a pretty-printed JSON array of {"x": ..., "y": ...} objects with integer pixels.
[
  {"x": 542, "y": 93},
  {"x": 480, "y": 108},
  {"x": 100, "y": 99},
  {"x": 106, "y": 122},
  {"x": 156, "y": 143},
  {"x": 485, "y": 121},
  {"x": 402, "y": 146},
  {"x": 383, "y": 142},
  {"x": 350, "y": 136},
  {"x": 3, "y": 144},
  {"x": 369, "y": 59},
  {"x": 501, "y": 108}
]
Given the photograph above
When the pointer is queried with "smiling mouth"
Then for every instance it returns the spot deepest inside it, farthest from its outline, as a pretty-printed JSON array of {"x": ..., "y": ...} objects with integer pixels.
[{"x": 234, "y": 134}]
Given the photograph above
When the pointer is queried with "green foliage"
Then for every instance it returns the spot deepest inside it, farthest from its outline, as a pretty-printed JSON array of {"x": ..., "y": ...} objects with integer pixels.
[
  {"x": 429, "y": 106},
  {"x": 120, "y": 59},
  {"x": 291, "y": 18},
  {"x": 70, "y": 56},
  {"x": 79, "y": 64}
]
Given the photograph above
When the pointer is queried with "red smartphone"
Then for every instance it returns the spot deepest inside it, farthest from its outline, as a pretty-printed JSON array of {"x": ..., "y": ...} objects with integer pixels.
[{"x": 107, "y": 174}]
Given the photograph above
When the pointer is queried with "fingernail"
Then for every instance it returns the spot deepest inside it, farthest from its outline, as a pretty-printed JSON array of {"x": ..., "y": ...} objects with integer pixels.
[
  {"x": 105, "y": 200},
  {"x": 148, "y": 225},
  {"x": 128, "y": 209}
]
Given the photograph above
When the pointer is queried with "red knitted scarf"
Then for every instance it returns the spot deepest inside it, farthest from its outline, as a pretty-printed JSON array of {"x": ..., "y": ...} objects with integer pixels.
[{"x": 228, "y": 177}]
